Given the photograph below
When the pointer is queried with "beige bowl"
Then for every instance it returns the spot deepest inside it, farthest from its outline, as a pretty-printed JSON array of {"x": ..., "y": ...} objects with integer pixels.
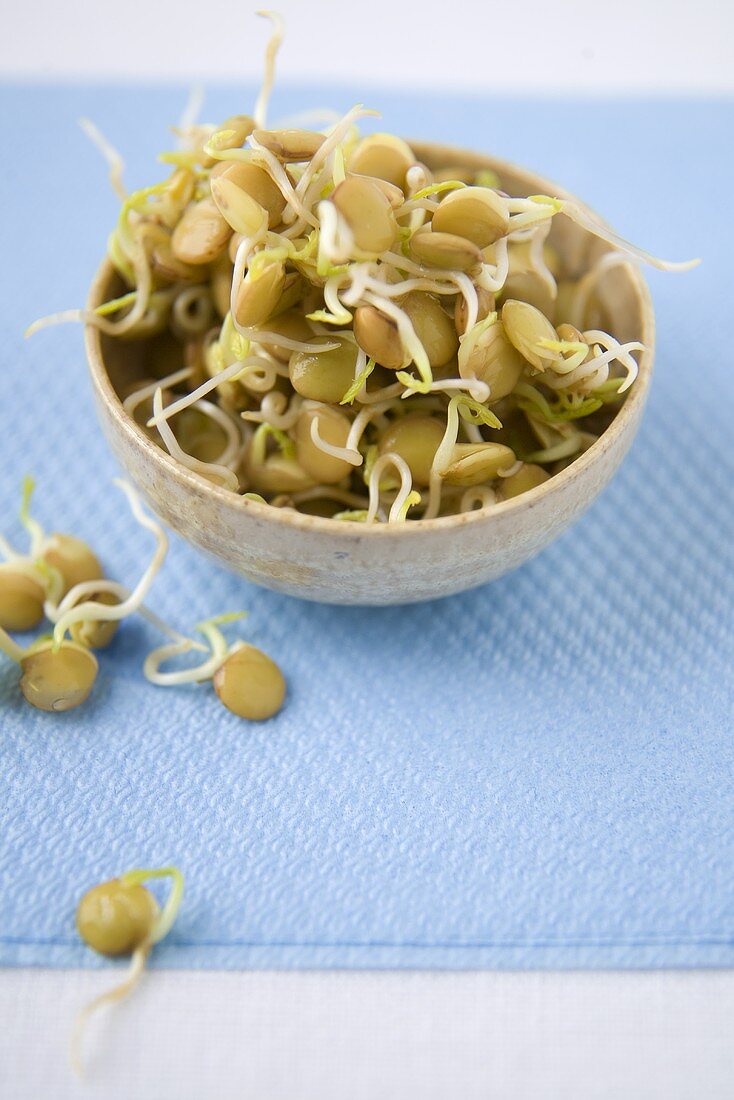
[{"x": 335, "y": 562}]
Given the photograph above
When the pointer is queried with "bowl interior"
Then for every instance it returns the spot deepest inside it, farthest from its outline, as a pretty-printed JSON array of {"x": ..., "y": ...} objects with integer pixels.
[{"x": 622, "y": 307}]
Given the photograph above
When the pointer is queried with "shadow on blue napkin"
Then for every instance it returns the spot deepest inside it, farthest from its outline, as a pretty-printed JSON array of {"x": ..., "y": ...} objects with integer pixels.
[{"x": 538, "y": 773}]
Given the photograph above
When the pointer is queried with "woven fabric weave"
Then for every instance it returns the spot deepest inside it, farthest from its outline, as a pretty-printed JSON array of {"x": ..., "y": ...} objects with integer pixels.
[{"x": 538, "y": 773}]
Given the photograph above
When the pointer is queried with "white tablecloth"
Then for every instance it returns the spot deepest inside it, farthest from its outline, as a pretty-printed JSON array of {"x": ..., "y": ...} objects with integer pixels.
[{"x": 371, "y": 1035}]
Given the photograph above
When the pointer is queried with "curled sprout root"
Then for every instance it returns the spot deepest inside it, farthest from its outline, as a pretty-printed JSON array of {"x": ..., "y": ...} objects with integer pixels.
[
  {"x": 59, "y": 672},
  {"x": 91, "y": 611},
  {"x": 330, "y": 287},
  {"x": 122, "y": 917},
  {"x": 247, "y": 682}
]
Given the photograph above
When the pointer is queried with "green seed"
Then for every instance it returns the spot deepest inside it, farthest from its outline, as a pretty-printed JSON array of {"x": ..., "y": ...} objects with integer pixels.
[
  {"x": 201, "y": 234},
  {"x": 241, "y": 127},
  {"x": 416, "y": 439},
  {"x": 333, "y": 427},
  {"x": 255, "y": 182},
  {"x": 385, "y": 156},
  {"x": 526, "y": 327},
  {"x": 277, "y": 474},
  {"x": 433, "y": 327},
  {"x": 75, "y": 561},
  {"x": 257, "y": 298},
  {"x": 475, "y": 463},
  {"x": 444, "y": 250},
  {"x": 367, "y": 212},
  {"x": 291, "y": 324},
  {"x": 527, "y": 477},
  {"x": 326, "y": 375},
  {"x": 474, "y": 213},
  {"x": 243, "y": 213},
  {"x": 570, "y": 333},
  {"x": 57, "y": 680},
  {"x": 21, "y": 599},
  {"x": 393, "y": 194},
  {"x": 486, "y": 306},
  {"x": 96, "y": 634},
  {"x": 523, "y": 281},
  {"x": 290, "y": 146},
  {"x": 250, "y": 684},
  {"x": 165, "y": 266},
  {"x": 495, "y": 361},
  {"x": 378, "y": 336},
  {"x": 114, "y": 919}
]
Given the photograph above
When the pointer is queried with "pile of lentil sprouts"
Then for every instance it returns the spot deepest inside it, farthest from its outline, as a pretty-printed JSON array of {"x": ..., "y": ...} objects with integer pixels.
[
  {"x": 354, "y": 335},
  {"x": 59, "y": 579}
]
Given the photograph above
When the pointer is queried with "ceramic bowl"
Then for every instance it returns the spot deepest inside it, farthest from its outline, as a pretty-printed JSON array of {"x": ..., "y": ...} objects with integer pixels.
[{"x": 349, "y": 563}]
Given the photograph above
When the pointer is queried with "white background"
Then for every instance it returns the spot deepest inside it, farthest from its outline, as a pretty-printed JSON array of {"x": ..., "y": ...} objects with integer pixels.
[
  {"x": 624, "y": 46},
  {"x": 401, "y": 1035}
]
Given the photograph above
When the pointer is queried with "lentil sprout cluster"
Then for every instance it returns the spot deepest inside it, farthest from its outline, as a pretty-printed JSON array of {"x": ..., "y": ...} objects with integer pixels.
[{"x": 333, "y": 327}]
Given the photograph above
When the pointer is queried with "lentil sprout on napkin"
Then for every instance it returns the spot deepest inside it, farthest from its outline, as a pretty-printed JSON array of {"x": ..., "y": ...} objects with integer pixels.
[{"x": 538, "y": 773}]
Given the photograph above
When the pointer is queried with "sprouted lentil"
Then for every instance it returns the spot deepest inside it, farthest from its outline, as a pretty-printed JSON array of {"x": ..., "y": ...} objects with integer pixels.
[
  {"x": 342, "y": 296},
  {"x": 247, "y": 682},
  {"x": 122, "y": 917},
  {"x": 67, "y": 588}
]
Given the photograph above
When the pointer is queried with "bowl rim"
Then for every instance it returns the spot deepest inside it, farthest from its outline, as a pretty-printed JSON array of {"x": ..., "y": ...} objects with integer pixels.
[{"x": 633, "y": 404}]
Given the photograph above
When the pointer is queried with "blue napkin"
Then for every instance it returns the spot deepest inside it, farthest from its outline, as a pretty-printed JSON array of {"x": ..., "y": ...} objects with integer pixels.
[{"x": 536, "y": 774}]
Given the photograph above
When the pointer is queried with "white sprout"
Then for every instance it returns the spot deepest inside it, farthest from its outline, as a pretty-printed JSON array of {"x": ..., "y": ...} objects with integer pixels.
[
  {"x": 75, "y": 595},
  {"x": 589, "y": 283},
  {"x": 480, "y": 496},
  {"x": 492, "y": 277},
  {"x": 442, "y": 459},
  {"x": 89, "y": 611},
  {"x": 192, "y": 310},
  {"x": 333, "y": 138},
  {"x": 345, "y": 453},
  {"x": 527, "y": 212},
  {"x": 220, "y": 650},
  {"x": 114, "y": 161},
  {"x": 190, "y": 114},
  {"x": 413, "y": 348},
  {"x": 406, "y": 486},
  {"x": 238, "y": 370},
  {"x": 536, "y": 255},
  {"x": 271, "y": 52},
  {"x": 387, "y": 393},
  {"x": 277, "y": 341},
  {"x": 336, "y": 241},
  {"x": 593, "y": 371},
  {"x": 276, "y": 411},
  {"x": 244, "y": 250},
  {"x": 134, "y": 399},
  {"x": 231, "y": 454},
  {"x": 475, "y": 387},
  {"x": 510, "y": 471},
  {"x": 161, "y": 927},
  {"x": 281, "y": 181},
  {"x": 580, "y": 214},
  {"x": 212, "y": 471},
  {"x": 339, "y": 315}
]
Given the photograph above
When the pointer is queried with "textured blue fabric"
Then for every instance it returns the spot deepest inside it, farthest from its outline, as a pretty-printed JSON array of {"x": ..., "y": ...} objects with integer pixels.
[{"x": 535, "y": 774}]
